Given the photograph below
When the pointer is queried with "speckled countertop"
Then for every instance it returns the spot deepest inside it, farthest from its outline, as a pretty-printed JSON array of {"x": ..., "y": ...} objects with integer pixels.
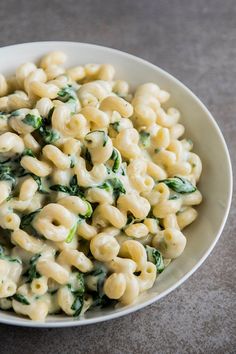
[{"x": 195, "y": 40}]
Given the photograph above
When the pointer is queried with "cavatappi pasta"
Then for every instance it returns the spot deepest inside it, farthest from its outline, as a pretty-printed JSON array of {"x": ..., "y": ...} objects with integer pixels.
[{"x": 96, "y": 186}]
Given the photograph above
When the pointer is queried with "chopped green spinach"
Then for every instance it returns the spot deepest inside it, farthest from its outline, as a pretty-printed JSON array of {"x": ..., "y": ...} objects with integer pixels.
[
  {"x": 21, "y": 298},
  {"x": 71, "y": 233},
  {"x": 49, "y": 135},
  {"x": 116, "y": 157},
  {"x": 179, "y": 184},
  {"x": 72, "y": 189},
  {"x": 32, "y": 272},
  {"x": 155, "y": 256},
  {"x": 33, "y": 120},
  {"x": 27, "y": 219}
]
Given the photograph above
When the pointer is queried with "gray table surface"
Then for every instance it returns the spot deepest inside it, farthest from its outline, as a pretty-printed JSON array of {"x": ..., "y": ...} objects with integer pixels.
[{"x": 196, "y": 42}]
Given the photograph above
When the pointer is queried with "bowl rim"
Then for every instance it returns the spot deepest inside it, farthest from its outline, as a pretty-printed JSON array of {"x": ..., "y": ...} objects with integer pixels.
[{"x": 22, "y": 322}]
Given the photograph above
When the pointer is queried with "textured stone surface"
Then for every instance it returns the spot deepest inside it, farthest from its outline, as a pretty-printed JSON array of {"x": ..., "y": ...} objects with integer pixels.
[{"x": 195, "y": 40}]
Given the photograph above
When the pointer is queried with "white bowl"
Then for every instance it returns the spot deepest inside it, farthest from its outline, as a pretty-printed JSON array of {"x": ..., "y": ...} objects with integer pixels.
[{"x": 209, "y": 144}]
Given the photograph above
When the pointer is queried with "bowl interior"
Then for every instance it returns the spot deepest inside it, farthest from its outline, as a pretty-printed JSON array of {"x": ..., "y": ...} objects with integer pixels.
[{"x": 215, "y": 183}]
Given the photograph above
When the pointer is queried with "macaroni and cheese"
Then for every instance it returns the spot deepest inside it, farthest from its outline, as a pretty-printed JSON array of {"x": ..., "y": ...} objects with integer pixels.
[{"x": 96, "y": 186}]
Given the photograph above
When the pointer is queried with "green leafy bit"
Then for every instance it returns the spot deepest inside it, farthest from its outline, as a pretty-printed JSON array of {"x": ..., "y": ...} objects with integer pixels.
[
  {"x": 117, "y": 187},
  {"x": 48, "y": 134},
  {"x": 6, "y": 174},
  {"x": 115, "y": 184},
  {"x": 78, "y": 289},
  {"x": 72, "y": 189},
  {"x": 102, "y": 301},
  {"x": 154, "y": 256},
  {"x": 8, "y": 258},
  {"x": 28, "y": 152},
  {"x": 33, "y": 120},
  {"x": 32, "y": 272},
  {"x": 38, "y": 180},
  {"x": 180, "y": 185},
  {"x": 106, "y": 186},
  {"x": 68, "y": 96},
  {"x": 98, "y": 275},
  {"x": 78, "y": 286},
  {"x": 27, "y": 219},
  {"x": 21, "y": 298},
  {"x": 89, "y": 211},
  {"x": 77, "y": 305},
  {"x": 67, "y": 93},
  {"x": 88, "y": 214},
  {"x": 116, "y": 157},
  {"x": 61, "y": 188},
  {"x": 144, "y": 138},
  {"x": 71, "y": 233}
]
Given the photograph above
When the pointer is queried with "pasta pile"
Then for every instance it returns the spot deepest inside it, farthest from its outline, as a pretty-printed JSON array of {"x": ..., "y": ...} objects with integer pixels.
[{"x": 96, "y": 186}]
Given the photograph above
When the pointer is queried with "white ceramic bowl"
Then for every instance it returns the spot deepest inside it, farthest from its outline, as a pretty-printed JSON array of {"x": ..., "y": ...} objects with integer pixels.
[{"x": 209, "y": 144}]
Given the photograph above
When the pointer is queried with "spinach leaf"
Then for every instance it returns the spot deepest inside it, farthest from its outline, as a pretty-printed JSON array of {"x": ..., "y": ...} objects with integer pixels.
[
  {"x": 28, "y": 152},
  {"x": 72, "y": 189},
  {"x": 49, "y": 135},
  {"x": 32, "y": 120},
  {"x": 71, "y": 233},
  {"x": 89, "y": 211},
  {"x": 116, "y": 156},
  {"x": 28, "y": 218},
  {"x": 67, "y": 93},
  {"x": 179, "y": 184},
  {"x": 115, "y": 185},
  {"x": 78, "y": 287},
  {"x": 7, "y": 174},
  {"x": 60, "y": 188},
  {"x": 98, "y": 276},
  {"x": 38, "y": 180},
  {"x": 105, "y": 186},
  {"x": 75, "y": 189},
  {"x": 8, "y": 258},
  {"x": 154, "y": 256},
  {"x": 77, "y": 305},
  {"x": 21, "y": 298},
  {"x": 32, "y": 272},
  {"x": 88, "y": 214},
  {"x": 144, "y": 138},
  {"x": 102, "y": 301}
]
